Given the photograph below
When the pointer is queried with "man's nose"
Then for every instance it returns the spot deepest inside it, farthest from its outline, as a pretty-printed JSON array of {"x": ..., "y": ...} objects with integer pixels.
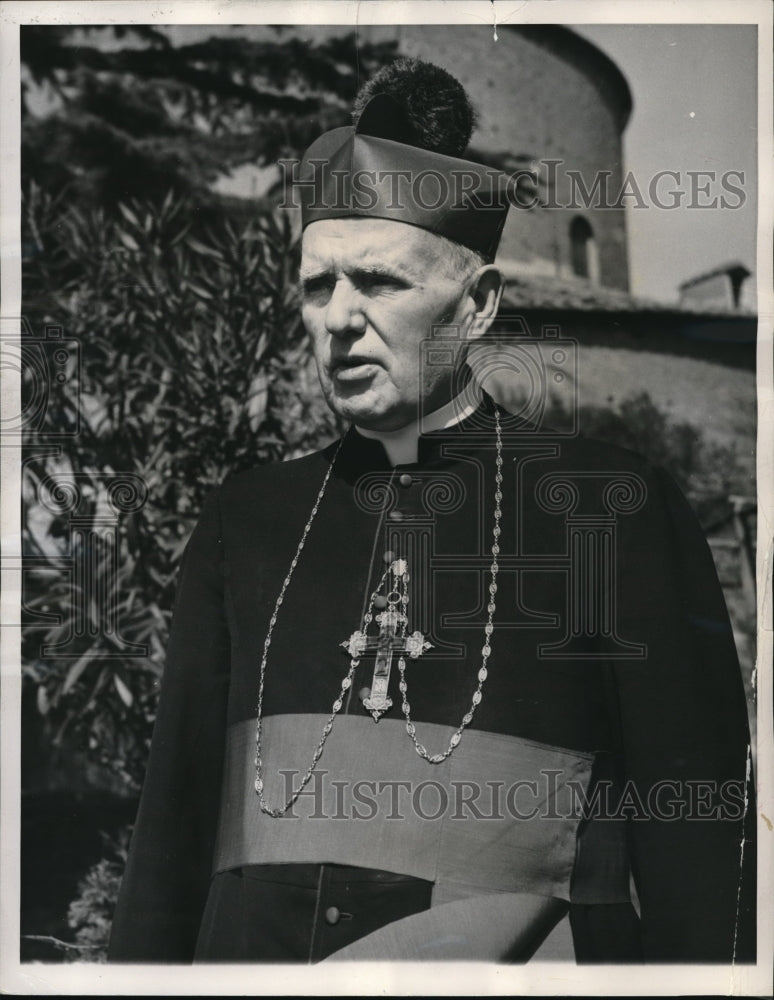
[{"x": 344, "y": 315}]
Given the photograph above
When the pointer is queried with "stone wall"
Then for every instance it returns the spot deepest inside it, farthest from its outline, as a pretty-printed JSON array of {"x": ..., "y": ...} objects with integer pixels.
[{"x": 546, "y": 93}]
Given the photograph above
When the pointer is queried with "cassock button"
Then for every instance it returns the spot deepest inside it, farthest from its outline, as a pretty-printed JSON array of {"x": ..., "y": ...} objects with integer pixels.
[
  {"x": 332, "y": 915},
  {"x": 405, "y": 479}
]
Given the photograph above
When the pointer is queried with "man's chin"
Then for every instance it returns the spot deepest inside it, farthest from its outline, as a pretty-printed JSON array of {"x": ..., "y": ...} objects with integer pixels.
[{"x": 370, "y": 414}]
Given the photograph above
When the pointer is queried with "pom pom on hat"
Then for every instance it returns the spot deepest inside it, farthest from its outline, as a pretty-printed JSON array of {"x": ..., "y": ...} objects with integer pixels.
[
  {"x": 437, "y": 114},
  {"x": 403, "y": 160}
]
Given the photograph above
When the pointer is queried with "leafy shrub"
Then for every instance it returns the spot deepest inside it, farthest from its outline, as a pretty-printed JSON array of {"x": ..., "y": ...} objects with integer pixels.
[
  {"x": 135, "y": 110},
  {"x": 193, "y": 364},
  {"x": 90, "y": 914},
  {"x": 706, "y": 472}
]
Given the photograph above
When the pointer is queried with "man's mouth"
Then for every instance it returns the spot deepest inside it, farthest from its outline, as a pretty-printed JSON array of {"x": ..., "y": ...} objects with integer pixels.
[{"x": 354, "y": 368}]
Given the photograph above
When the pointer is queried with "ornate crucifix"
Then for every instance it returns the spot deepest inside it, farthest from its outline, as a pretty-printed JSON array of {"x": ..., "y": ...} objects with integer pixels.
[{"x": 392, "y": 638}]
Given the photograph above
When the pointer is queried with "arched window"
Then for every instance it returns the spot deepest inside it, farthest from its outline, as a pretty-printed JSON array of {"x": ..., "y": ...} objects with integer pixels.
[{"x": 583, "y": 250}]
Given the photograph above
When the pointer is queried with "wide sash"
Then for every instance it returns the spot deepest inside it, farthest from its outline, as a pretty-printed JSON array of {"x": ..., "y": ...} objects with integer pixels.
[{"x": 499, "y": 816}]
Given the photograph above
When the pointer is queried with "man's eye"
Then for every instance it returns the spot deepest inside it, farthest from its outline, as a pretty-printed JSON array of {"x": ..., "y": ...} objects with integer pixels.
[
  {"x": 312, "y": 287},
  {"x": 374, "y": 282}
]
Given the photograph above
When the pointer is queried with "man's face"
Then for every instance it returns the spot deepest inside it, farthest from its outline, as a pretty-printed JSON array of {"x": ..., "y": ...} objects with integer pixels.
[{"x": 372, "y": 291}]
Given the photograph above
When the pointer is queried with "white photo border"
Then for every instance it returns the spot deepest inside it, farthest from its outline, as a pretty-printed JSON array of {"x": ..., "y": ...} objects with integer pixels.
[{"x": 350, "y": 979}]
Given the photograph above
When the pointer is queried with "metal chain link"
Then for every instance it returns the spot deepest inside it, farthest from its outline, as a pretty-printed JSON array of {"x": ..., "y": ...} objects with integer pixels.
[
  {"x": 277, "y": 811},
  {"x": 486, "y": 650}
]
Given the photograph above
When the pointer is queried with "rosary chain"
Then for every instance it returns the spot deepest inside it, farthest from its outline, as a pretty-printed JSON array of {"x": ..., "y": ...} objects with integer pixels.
[
  {"x": 277, "y": 811},
  {"x": 438, "y": 758}
]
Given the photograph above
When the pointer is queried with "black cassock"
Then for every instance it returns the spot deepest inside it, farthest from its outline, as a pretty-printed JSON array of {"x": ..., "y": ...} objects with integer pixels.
[{"x": 598, "y": 806}]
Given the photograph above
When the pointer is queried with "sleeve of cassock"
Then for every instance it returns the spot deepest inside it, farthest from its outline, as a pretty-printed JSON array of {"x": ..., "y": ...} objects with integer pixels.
[
  {"x": 684, "y": 730},
  {"x": 169, "y": 866}
]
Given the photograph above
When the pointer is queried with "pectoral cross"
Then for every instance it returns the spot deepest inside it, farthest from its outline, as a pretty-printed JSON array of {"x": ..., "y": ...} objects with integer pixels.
[{"x": 391, "y": 639}]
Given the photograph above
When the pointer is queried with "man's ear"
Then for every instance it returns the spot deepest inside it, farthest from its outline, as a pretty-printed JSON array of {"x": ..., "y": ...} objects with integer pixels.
[{"x": 486, "y": 290}]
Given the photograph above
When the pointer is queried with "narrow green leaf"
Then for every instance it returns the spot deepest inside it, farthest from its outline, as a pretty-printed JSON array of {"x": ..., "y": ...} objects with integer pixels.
[
  {"x": 42, "y": 700},
  {"x": 124, "y": 693},
  {"x": 75, "y": 671},
  {"x": 129, "y": 242},
  {"x": 128, "y": 214}
]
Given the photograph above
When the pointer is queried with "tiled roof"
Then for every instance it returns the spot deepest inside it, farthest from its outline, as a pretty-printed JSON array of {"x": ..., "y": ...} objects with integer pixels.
[{"x": 539, "y": 292}]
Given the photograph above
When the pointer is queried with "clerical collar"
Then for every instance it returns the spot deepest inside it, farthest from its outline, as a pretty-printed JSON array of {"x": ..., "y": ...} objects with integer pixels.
[{"x": 401, "y": 445}]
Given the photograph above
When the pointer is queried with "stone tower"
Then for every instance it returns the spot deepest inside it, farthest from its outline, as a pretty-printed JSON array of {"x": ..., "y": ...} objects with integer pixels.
[{"x": 543, "y": 93}]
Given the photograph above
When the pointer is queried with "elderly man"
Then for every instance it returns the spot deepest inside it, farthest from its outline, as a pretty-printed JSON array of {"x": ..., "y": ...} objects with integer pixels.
[{"x": 456, "y": 686}]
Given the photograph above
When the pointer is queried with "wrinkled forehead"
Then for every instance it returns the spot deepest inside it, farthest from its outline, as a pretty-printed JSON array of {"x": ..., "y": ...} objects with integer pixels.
[{"x": 334, "y": 243}]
